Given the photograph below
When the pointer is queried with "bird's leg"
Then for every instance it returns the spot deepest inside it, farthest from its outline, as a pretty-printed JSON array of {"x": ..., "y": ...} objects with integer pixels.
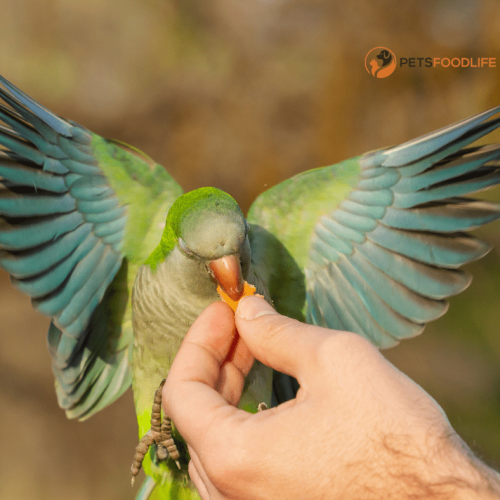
[
  {"x": 261, "y": 407},
  {"x": 159, "y": 434},
  {"x": 166, "y": 447}
]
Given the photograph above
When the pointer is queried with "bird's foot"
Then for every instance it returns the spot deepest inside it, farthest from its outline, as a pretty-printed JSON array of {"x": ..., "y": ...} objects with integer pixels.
[{"x": 159, "y": 434}]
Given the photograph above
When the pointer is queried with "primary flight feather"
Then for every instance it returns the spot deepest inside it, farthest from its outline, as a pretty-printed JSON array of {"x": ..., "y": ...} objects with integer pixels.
[{"x": 371, "y": 245}]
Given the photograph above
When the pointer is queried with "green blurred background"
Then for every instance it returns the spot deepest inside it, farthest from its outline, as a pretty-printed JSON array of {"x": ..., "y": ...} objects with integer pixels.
[{"x": 241, "y": 95}]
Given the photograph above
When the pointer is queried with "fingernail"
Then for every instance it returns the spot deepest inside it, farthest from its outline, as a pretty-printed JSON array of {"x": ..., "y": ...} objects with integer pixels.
[{"x": 253, "y": 307}]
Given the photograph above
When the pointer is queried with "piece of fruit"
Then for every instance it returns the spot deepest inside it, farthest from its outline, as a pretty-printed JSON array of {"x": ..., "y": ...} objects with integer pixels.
[{"x": 233, "y": 304}]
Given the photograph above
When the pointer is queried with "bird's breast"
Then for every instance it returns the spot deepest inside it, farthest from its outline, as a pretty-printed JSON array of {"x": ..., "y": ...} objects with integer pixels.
[{"x": 165, "y": 302}]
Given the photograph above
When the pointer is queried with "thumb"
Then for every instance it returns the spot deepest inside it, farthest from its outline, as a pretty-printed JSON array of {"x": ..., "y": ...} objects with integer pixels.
[{"x": 280, "y": 342}]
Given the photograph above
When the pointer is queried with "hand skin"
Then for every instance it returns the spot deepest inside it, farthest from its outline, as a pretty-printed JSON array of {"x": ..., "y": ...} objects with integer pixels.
[{"x": 358, "y": 428}]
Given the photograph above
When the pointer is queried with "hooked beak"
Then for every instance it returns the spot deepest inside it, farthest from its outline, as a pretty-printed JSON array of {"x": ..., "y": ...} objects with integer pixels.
[{"x": 227, "y": 272}]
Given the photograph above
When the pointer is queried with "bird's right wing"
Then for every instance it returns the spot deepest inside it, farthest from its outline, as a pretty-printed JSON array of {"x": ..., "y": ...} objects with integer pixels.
[{"x": 78, "y": 215}]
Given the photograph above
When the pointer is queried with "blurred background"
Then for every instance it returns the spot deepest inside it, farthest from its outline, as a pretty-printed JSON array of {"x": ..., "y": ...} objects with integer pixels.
[{"x": 242, "y": 95}]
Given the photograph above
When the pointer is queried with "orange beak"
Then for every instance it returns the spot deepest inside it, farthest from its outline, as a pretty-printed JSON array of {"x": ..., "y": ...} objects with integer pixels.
[{"x": 227, "y": 272}]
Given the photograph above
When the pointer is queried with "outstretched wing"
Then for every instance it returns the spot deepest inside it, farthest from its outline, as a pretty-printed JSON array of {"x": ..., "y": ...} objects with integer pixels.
[
  {"x": 373, "y": 245},
  {"x": 78, "y": 215}
]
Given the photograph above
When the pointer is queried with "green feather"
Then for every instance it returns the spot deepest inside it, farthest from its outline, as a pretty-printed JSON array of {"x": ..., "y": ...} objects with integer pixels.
[{"x": 143, "y": 186}]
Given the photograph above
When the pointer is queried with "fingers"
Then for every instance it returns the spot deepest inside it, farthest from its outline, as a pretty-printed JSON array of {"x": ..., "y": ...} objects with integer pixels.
[
  {"x": 189, "y": 397},
  {"x": 230, "y": 383},
  {"x": 277, "y": 341},
  {"x": 238, "y": 363},
  {"x": 196, "y": 478},
  {"x": 198, "y": 475}
]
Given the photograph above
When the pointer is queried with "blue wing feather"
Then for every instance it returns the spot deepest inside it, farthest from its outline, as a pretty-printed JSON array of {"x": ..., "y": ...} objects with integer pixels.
[
  {"x": 428, "y": 281},
  {"x": 483, "y": 179},
  {"x": 107, "y": 216},
  {"x": 54, "y": 303},
  {"x": 37, "y": 232},
  {"x": 360, "y": 310},
  {"x": 22, "y": 175},
  {"x": 110, "y": 227},
  {"x": 48, "y": 281},
  {"x": 441, "y": 250},
  {"x": 20, "y": 147},
  {"x": 80, "y": 168},
  {"x": 451, "y": 217},
  {"x": 33, "y": 263},
  {"x": 23, "y": 205},
  {"x": 399, "y": 297},
  {"x": 91, "y": 188},
  {"x": 76, "y": 315},
  {"x": 58, "y": 125},
  {"x": 97, "y": 206},
  {"x": 449, "y": 170},
  {"x": 423, "y": 146},
  {"x": 394, "y": 325}
]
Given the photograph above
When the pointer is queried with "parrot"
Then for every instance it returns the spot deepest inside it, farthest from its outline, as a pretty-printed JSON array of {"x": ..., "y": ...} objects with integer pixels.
[{"x": 108, "y": 246}]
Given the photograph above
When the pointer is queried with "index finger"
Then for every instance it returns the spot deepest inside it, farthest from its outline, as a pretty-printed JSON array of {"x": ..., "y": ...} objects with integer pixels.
[{"x": 189, "y": 395}]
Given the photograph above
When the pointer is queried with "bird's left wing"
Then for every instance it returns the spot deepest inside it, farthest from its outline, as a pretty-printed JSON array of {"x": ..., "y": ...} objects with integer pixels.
[
  {"x": 78, "y": 215},
  {"x": 373, "y": 244}
]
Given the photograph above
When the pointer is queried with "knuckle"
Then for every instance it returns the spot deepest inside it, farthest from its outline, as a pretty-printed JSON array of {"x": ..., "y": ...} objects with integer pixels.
[
  {"x": 348, "y": 345},
  {"x": 345, "y": 352}
]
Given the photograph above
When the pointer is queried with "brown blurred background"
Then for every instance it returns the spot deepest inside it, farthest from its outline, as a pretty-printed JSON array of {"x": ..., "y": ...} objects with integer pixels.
[{"x": 241, "y": 95}]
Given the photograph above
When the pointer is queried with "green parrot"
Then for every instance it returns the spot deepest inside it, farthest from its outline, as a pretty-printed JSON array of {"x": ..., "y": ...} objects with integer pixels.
[{"x": 105, "y": 243}]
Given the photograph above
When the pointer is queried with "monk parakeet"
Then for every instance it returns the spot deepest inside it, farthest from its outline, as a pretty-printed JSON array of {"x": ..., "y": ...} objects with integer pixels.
[{"x": 105, "y": 243}]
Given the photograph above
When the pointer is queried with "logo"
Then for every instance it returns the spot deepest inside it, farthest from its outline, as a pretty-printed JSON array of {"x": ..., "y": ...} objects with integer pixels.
[{"x": 380, "y": 62}]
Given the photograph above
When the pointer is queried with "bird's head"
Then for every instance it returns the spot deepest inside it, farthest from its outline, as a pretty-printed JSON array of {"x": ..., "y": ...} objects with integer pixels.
[{"x": 207, "y": 225}]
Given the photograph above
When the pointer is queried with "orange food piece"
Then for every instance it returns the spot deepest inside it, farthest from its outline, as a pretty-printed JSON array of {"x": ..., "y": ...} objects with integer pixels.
[{"x": 233, "y": 304}]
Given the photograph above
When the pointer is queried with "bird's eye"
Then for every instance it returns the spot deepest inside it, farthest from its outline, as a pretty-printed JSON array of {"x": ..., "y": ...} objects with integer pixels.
[{"x": 185, "y": 250}]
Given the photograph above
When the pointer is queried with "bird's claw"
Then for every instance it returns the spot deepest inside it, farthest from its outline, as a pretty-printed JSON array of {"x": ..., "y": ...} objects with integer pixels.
[{"x": 159, "y": 434}]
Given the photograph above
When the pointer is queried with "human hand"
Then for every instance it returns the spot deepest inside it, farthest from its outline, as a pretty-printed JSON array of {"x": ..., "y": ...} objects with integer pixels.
[{"x": 358, "y": 428}]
